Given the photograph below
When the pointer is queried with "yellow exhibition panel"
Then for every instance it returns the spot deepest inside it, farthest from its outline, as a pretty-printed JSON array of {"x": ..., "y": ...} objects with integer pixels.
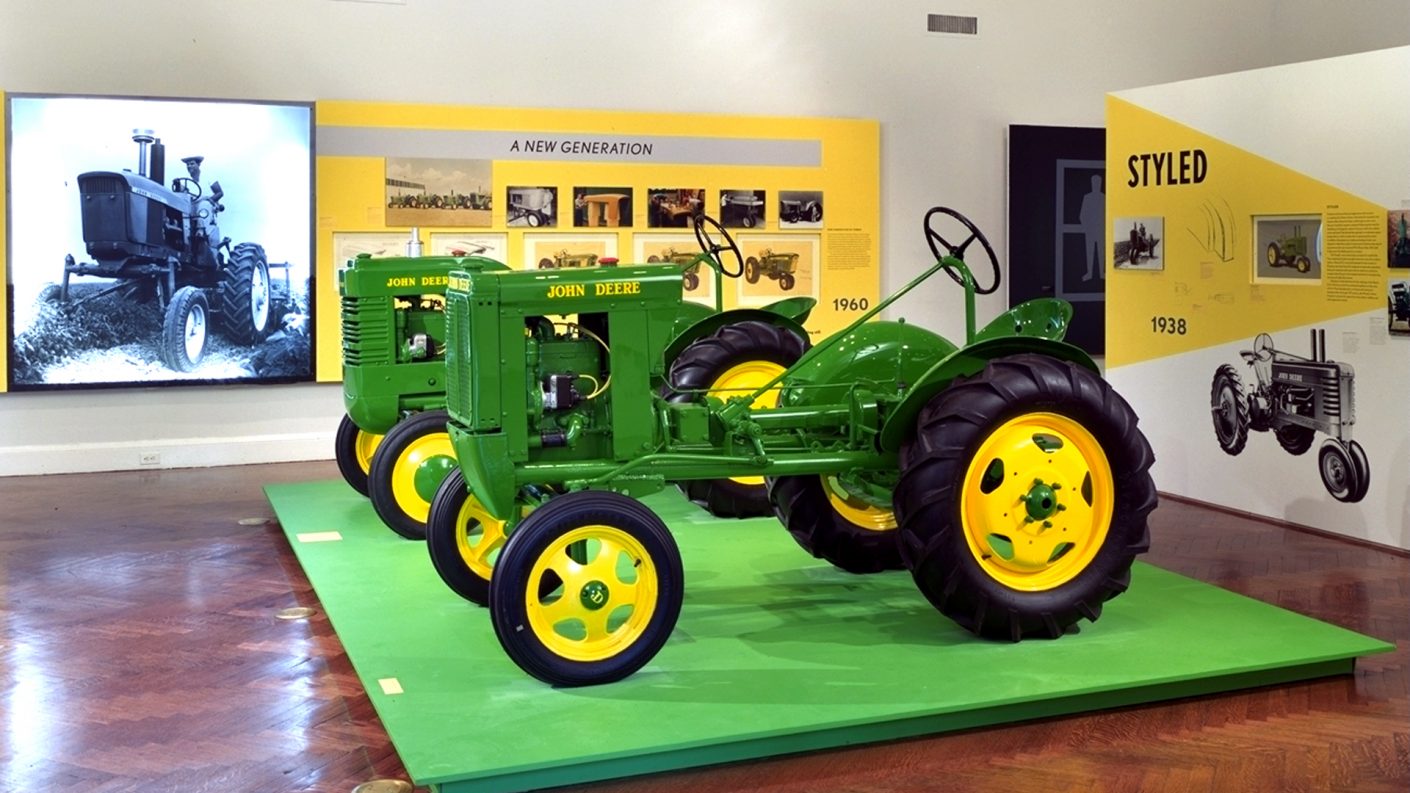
[{"x": 606, "y": 160}]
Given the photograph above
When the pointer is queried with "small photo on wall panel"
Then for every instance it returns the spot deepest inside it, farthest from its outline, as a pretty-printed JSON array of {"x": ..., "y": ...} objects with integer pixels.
[
  {"x": 348, "y": 245},
  {"x": 536, "y": 207},
  {"x": 1138, "y": 243},
  {"x": 673, "y": 207},
  {"x": 491, "y": 246},
  {"x": 602, "y": 207},
  {"x": 568, "y": 251},
  {"x": 438, "y": 192},
  {"x": 1398, "y": 306},
  {"x": 1287, "y": 248},
  {"x": 800, "y": 209},
  {"x": 1398, "y": 238},
  {"x": 742, "y": 209}
]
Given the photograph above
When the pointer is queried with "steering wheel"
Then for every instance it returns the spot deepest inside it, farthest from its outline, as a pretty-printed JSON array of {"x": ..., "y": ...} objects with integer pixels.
[
  {"x": 708, "y": 244},
  {"x": 1263, "y": 347},
  {"x": 937, "y": 242}
]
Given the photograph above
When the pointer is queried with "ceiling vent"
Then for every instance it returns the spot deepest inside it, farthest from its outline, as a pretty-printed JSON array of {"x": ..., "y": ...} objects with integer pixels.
[{"x": 952, "y": 24}]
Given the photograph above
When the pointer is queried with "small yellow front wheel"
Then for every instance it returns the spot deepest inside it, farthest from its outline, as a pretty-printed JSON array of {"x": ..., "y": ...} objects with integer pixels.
[
  {"x": 587, "y": 590},
  {"x": 463, "y": 539},
  {"x": 353, "y": 448}
]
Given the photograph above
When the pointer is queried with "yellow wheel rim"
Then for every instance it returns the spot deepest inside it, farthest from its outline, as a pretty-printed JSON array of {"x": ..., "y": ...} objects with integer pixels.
[
  {"x": 419, "y": 469},
  {"x": 363, "y": 447},
  {"x": 603, "y": 604},
  {"x": 1272, "y": 255},
  {"x": 741, "y": 380},
  {"x": 1037, "y": 501},
  {"x": 855, "y": 510},
  {"x": 478, "y": 537}
]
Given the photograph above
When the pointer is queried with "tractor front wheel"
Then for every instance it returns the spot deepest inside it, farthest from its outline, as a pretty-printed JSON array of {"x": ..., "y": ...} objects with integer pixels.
[
  {"x": 1345, "y": 471},
  {"x": 463, "y": 539},
  {"x": 1229, "y": 409},
  {"x": 736, "y": 360},
  {"x": 1023, "y": 498},
  {"x": 410, "y": 463},
  {"x": 185, "y": 328},
  {"x": 1295, "y": 439},
  {"x": 1303, "y": 264},
  {"x": 786, "y": 281},
  {"x": 691, "y": 281},
  {"x": 587, "y": 590},
  {"x": 353, "y": 448},
  {"x": 835, "y": 524},
  {"x": 244, "y": 295}
]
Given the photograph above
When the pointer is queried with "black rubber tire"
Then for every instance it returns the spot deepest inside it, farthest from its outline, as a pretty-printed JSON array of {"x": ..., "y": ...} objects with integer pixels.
[
  {"x": 814, "y": 213},
  {"x": 1341, "y": 474},
  {"x": 690, "y": 281},
  {"x": 345, "y": 450},
  {"x": 786, "y": 281},
  {"x": 511, "y": 586},
  {"x": 751, "y": 270},
  {"x": 1303, "y": 264},
  {"x": 425, "y": 427},
  {"x": 535, "y": 219},
  {"x": 1274, "y": 254},
  {"x": 802, "y": 506},
  {"x": 1229, "y": 409},
  {"x": 245, "y": 295},
  {"x": 934, "y": 463},
  {"x": 697, "y": 367},
  {"x": 1363, "y": 470},
  {"x": 1295, "y": 439},
  {"x": 188, "y": 314},
  {"x": 443, "y": 529}
]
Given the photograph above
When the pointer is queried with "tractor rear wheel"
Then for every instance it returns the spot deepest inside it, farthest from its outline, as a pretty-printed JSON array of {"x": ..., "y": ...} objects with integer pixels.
[
  {"x": 1229, "y": 408},
  {"x": 1023, "y": 498},
  {"x": 244, "y": 295},
  {"x": 751, "y": 270},
  {"x": 1275, "y": 254},
  {"x": 410, "y": 463},
  {"x": 587, "y": 590},
  {"x": 463, "y": 539},
  {"x": 185, "y": 328},
  {"x": 1295, "y": 439},
  {"x": 814, "y": 213},
  {"x": 735, "y": 360},
  {"x": 353, "y": 449},
  {"x": 835, "y": 524}
]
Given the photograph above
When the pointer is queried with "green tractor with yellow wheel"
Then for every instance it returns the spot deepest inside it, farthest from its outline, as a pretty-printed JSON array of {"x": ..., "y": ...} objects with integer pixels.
[{"x": 1004, "y": 473}]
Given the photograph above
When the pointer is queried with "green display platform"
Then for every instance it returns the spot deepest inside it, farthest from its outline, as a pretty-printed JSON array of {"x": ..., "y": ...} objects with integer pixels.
[{"x": 775, "y": 652}]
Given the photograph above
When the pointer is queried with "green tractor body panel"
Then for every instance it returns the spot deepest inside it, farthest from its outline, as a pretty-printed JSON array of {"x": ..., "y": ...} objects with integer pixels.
[
  {"x": 394, "y": 335},
  {"x": 965, "y": 362},
  {"x": 882, "y": 357}
]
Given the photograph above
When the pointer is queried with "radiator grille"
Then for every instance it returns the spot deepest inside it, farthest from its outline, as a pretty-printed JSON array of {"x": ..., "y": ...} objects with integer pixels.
[
  {"x": 458, "y": 357},
  {"x": 368, "y": 335},
  {"x": 103, "y": 183}
]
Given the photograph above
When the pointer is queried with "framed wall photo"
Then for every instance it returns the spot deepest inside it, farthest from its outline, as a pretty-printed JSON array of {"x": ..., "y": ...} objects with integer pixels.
[
  {"x": 158, "y": 241},
  {"x": 1287, "y": 249}
]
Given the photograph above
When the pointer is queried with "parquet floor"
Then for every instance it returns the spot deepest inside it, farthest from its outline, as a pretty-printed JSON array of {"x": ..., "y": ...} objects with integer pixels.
[{"x": 139, "y": 651}]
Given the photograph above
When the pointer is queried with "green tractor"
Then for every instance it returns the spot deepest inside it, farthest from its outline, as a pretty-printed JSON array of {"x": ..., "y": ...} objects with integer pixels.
[
  {"x": 391, "y": 444},
  {"x": 773, "y": 266},
  {"x": 1290, "y": 251},
  {"x": 1004, "y": 474},
  {"x": 690, "y": 263}
]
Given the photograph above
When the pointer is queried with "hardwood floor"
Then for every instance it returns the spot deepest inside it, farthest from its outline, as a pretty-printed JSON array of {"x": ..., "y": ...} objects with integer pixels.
[{"x": 139, "y": 651}]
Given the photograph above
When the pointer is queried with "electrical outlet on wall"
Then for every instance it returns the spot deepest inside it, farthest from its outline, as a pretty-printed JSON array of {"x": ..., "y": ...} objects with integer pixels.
[{"x": 149, "y": 458}]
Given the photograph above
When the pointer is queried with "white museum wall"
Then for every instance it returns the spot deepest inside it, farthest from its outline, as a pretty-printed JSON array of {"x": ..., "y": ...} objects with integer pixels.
[
  {"x": 1350, "y": 135},
  {"x": 943, "y": 103}
]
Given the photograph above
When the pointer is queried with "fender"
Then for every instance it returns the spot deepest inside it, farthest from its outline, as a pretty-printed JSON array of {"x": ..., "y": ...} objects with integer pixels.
[
  {"x": 901, "y": 421},
  {"x": 880, "y": 354},
  {"x": 790, "y": 313}
]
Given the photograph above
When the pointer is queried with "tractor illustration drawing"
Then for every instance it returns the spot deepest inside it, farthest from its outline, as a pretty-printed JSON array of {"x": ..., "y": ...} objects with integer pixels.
[
  {"x": 690, "y": 274},
  {"x": 779, "y": 267},
  {"x": 163, "y": 244},
  {"x": 564, "y": 258},
  {"x": 1289, "y": 251},
  {"x": 1294, "y": 398},
  {"x": 1003, "y": 472}
]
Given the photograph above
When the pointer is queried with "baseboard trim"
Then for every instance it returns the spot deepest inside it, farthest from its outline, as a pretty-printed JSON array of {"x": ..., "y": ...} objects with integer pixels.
[{"x": 170, "y": 452}]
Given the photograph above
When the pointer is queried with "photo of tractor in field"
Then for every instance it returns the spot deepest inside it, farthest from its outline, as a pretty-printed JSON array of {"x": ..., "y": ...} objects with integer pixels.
[
  {"x": 1003, "y": 472},
  {"x": 1294, "y": 398},
  {"x": 1398, "y": 307},
  {"x": 780, "y": 267},
  {"x": 151, "y": 243},
  {"x": 1289, "y": 251}
]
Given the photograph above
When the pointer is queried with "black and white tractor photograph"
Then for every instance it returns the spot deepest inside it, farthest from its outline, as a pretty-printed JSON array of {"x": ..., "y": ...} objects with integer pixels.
[
  {"x": 1295, "y": 398},
  {"x": 133, "y": 264}
]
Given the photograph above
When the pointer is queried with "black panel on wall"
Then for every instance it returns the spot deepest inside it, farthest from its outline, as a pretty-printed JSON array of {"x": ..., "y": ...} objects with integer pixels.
[{"x": 1057, "y": 224}]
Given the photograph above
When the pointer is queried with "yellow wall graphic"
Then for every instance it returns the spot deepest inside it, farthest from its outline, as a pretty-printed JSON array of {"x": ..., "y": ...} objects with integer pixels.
[
  {"x": 4, "y": 246},
  {"x": 605, "y": 149},
  {"x": 1220, "y": 208}
]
